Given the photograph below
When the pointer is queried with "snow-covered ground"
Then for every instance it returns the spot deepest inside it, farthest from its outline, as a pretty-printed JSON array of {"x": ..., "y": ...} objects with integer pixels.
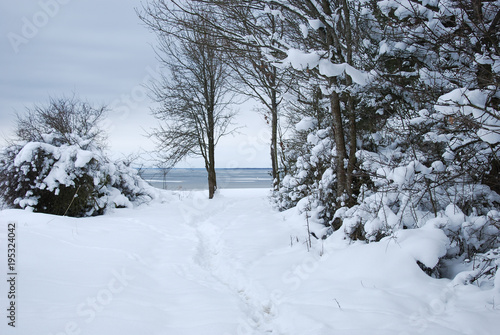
[{"x": 228, "y": 266}]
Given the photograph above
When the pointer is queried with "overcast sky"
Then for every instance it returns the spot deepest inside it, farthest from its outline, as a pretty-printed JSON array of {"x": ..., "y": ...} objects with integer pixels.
[{"x": 100, "y": 51}]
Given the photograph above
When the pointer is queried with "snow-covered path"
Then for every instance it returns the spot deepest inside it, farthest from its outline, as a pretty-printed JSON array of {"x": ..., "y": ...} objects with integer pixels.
[{"x": 228, "y": 266}]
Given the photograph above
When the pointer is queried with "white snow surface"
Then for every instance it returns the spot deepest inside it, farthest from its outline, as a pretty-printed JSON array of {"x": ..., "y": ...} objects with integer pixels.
[{"x": 187, "y": 265}]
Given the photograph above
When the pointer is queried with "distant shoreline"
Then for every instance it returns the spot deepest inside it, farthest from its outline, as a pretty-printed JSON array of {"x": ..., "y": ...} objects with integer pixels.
[
  {"x": 181, "y": 168},
  {"x": 196, "y": 178}
]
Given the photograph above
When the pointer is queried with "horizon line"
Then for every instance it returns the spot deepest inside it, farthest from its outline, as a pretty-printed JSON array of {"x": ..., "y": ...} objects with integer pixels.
[{"x": 202, "y": 168}]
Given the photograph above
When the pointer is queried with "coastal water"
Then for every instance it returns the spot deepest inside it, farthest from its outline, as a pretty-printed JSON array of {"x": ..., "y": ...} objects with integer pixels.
[{"x": 196, "y": 179}]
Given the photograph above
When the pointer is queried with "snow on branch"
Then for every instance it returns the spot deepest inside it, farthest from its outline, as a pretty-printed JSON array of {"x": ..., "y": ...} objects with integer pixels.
[
  {"x": 472, "y": 103},
  {"x": 300, "y": 60}
]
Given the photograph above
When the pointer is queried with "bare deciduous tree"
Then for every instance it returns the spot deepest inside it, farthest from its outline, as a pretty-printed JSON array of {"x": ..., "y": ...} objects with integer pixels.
[
  {"x": 70, "y": 119},
  {"x": 251, "y": 30},
  {"x": 193, "y": 93}
]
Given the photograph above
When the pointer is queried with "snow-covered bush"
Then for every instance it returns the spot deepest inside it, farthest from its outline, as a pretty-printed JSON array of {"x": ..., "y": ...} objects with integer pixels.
[
  {"x": 307, "y": 165},
  {"x": 64, "y": 179},
  {"x": 420, "y": 176},
  {"x": 421, "y": 169},
  {"x": 310, "y": 164},
  {"x": 56, "y": 163},
  {"x": 483, "y": 269}
]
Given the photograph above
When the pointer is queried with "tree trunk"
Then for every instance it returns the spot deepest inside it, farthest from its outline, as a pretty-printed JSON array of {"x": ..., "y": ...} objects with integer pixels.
[
  {"x": 352, "y": 150},
  {"x": 210, "y": 165},
  {"x": 349, "y": 107},
  {"x": 339, "y": 143},
  {"x": 274, "y": 139},
  {"x": 212, "y": 181},
  {"x": 274, "y": 115}
]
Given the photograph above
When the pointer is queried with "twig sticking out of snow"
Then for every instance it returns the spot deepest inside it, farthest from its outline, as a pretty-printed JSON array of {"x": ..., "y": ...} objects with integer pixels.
[
  {"x": 72, "y": 199},
  {"x": 338, "y": 304}
]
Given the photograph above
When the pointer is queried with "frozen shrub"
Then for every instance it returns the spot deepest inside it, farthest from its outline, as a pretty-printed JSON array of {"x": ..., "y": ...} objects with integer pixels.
[
  {"x": 66, "y": 179},
  {"x": 57, "y": 165}
]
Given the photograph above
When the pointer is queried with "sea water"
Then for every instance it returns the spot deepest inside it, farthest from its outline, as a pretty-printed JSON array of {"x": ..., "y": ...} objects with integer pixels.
[{"x": 197, "y": 179}]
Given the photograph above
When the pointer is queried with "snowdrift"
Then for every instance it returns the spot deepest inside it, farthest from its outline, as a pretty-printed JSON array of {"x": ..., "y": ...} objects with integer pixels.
[{"x": 232, "y": 265}]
